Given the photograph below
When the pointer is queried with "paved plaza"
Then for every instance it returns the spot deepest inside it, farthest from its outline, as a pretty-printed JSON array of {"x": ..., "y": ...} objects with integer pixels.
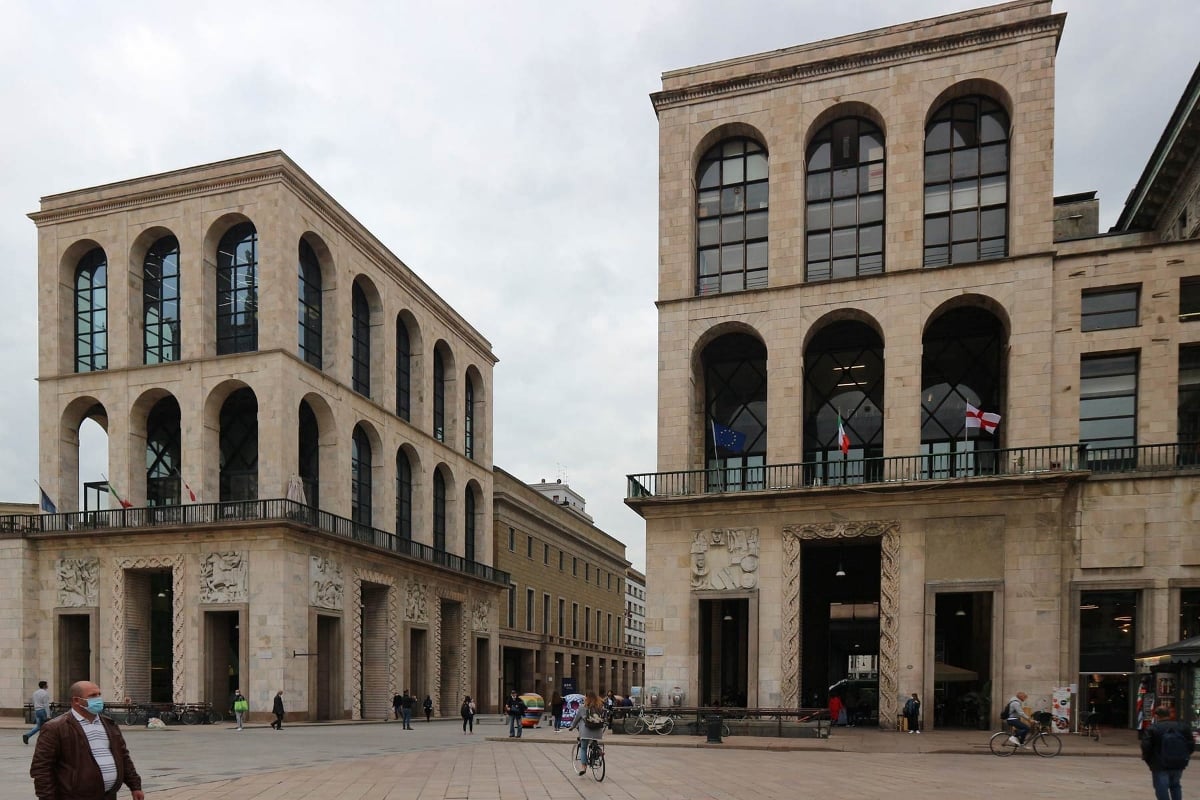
[{"x": 374, "y": 761}]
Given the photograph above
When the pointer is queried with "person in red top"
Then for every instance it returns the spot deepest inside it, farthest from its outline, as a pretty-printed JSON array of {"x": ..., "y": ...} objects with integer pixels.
[{"x": 836, "y": 710}]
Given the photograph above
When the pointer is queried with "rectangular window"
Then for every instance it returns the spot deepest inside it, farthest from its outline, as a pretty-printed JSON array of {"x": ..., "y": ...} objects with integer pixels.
[
  {"x": 512, "y": 605},
  {"x": 1188, "y": 405},
  {"x": 574, "y": 620},
  {"x": 1107, "y": 631},
  {"x": 529, "y": 610},
  {"x": 1189, "y": 613},
  {"x": 1109, "y": 308},
  {"x": 610, "y": 581},
  {"x": 587, "y": 572},
  {"x": 587, "y": 624},
  {"x": 1108, "y": 410},
  {"x": 561, "y": 557},
  {"x": 1189, "y": 299},
  {"x": 512, "y": 541},
  {"x": 546, "y": 614},
  {"x": 562, "y": 617},
  {"x": 575, "y": 566},
  {"x": 546, "y": 554},
  {"x": 608, "y": 631},
  {"x": 529, "y": 547}
]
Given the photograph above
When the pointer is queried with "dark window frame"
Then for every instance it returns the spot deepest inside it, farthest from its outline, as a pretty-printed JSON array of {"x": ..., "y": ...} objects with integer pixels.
[
  {"x": 732, "y": 217},
  {"x": 237, "y": 290},
  {"x": 1110, "y": 308},
  {"x": 360, "y": 341},
  {"x": 309, "y": 286},
  {"x": 1189, "y": 299},
  {"x": 404, "y": 496},
  {"x": 469, "y": 418},
  {"x": 360, "y": 477},
  {"x": 469, "y": 525},
  {"x": 1098, "y": 389},
  {"x": 439, "y": 396},
  {"x": 161, "y": 302},
  {"x": 439, "y": 511},
  {"x": 91, "y": 311},
  {"x": 845, "y": 200}
]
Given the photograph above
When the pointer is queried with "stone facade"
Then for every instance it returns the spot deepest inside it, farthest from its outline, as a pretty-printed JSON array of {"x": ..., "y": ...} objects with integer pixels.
[{"x": 1029, "y": 542}]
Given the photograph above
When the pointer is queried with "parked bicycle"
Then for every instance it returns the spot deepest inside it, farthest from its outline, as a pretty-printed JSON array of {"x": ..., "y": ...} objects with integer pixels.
[
  {"x": 1045, "y": 743},
  {"x": 661, "y": 724},
  {"x": 595, "y": 758}
]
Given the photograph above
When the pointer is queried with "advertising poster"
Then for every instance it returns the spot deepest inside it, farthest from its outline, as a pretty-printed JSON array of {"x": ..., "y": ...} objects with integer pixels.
[{"x": 1061, "y": 708}]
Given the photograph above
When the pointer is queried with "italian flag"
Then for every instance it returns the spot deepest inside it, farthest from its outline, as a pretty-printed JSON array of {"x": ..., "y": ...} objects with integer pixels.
[
  {"x": 843, "y": 439},
  {"x": 124, "y": 503}
]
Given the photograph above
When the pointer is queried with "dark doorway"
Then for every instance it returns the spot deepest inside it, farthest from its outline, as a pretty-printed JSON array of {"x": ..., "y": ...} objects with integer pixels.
[
  {"x": 483, "y": 675},
  {"x": 417, "y": 657},
  {"x": 724, "y": 652},
  {"x": 962, "y": 660},
  {"x": 328, "y": 659},
  {"x": 375, "y": 701},
  {"x": 74, "y": 651},
  {"x": 452, "y": 658},
  {"x": 222, "y": 670}
]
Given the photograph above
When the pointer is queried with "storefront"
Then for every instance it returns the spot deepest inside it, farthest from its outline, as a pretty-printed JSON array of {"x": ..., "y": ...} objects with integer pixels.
[{"x": 1169, "y": 678}]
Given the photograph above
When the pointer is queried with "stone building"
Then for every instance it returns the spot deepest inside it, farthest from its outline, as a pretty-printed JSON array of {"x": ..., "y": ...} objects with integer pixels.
[
  {"x": 635, "y": 611},
  {"x": 908, "y": 436},
  {"x": 564, "y": 616},
  {"x": 299, "y": 447}
]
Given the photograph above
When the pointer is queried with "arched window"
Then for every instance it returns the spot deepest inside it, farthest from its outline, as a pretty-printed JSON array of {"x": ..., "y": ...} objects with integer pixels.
[
  {"x": 439, "y": 511},
  {"x": 160, "y": 302},
  {"x": 239, "y": 447},
  {"x": 845, "y": 186},
  {"x": 91, "y": 312},
  {"x": 731, "y": 218},
  {"x": 735, "y": 389},
  {"x": 237, "y": 290},
  {"x": 162, "y": 454},
  {"x": 469, "y": 524},
  {"x": 360, "y": 477},
  {"x": 404, "y": 496},
  {"x": 469, "y": 419},
  {"x": 310, "y": 455},
  {"x": 309, "y": 310},
  {"x": 966, "y": 182},
  {"x": 403, "y": 371},
  {"x": 439, "y": 396},
  {"x": 361, "y": 341}
]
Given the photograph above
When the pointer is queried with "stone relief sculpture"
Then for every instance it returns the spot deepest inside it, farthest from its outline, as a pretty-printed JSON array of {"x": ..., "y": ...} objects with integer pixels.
[
  {"x": 725, "y": 559},
  {"x": 416, "y": 601},
  {"x": 326, "y": 582},
  {"x": 223, "y": 578},
  {"x": 77, "y": 581},
  {"x": 480, "y": 613}
]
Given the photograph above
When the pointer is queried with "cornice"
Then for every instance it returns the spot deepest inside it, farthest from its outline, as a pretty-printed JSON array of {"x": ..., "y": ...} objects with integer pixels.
[{"x": 798, "y": 73}]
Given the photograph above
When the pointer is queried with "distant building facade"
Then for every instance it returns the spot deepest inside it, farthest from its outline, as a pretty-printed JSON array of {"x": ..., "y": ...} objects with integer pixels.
[
  {"x": 635, "y": 611},
  {"x": 299, "y": 452},
  {"x": 919, "y": 422}
]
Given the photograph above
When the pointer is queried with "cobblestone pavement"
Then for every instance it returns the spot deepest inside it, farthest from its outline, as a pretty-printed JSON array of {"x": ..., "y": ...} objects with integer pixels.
[{"x": 372, "y": 761}]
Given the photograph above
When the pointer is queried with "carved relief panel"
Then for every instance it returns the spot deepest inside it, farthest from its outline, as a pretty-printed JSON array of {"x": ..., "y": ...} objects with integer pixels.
[
  {"x": 326, "y": 583},
  {"x": 223, "y": 578},
  {"x": 416, "y": 601},
  {"x": 77, "y": 582},
  {"x": 725, "y": 559}
]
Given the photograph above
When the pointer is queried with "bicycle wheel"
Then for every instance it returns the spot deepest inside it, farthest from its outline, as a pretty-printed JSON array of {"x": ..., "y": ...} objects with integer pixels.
[
  {"x": 724, "y": 731},
  {"x": 168, "y": 717},
  {"x": 136, "y": 716},
  {"x": 664, "y": 726},
  {"x": 1000, "y": 745},
  {"x": 1047, "y": 745},
  {"x": 214, "y": 717},
  {"x": 637, "y": 725},
  {"x": 190, "y": 717},
  {"x": 596, "y": 761}
]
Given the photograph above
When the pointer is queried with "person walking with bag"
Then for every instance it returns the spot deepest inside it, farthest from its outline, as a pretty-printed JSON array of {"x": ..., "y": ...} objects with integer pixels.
[
  {"x": 912, "y": 712},
  {"x": 467, "y": 710},
  {"x": 590, "y": 721},
  {"x": 428, "y": 707},
  {"x": 277, "y": 710},
  {"x": 240, "y": 707},
  {"x": 1166, "y": 748}
]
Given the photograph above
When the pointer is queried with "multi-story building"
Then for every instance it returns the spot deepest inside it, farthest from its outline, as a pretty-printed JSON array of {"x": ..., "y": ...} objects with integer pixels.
[
  {"x": 299, "y": 434},
  {"x": 564, "y": 616},
  {"x": 906, "y": 432},
  {"x": 635, "y": 611}
]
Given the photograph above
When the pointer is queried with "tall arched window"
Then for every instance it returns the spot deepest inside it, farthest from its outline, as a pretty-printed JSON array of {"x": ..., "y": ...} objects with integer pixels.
[
  {"x": 469, "y": 524},
  {"x": 360, "y": 477},
  {"x": 162, "y": 454},
  {"x": 310, "y": 455},
  {"x": 469, "y": 418},
  {"x": 237, "y": 290},
  {"x": 735, "y": 389},
  {"x": 845, "y": 187},
  {"x": 404, "y": 496},
  {"x": 160, "y": 302},
  {"x": 966, "y": 182},
  {"x": 731, "y": 218},
  {"x": 309, "y": 311},
  {"x": 361, "y": 341},
  {"x": 403, "y": 371},
  {"x": 91, "y": 312},
  {"x": 439, "y": 511},
  {"x": 239, "y": 446},
  {"x": 439, "y": 396}
]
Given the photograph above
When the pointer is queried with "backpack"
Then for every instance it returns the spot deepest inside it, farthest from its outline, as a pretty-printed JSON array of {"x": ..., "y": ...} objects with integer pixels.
[
  {"x": 908, "y": 707},
  {"x": 593, "y": 719},
  {"x": 1004, "y": 715},
  {"x": 1173, "y": 750}
]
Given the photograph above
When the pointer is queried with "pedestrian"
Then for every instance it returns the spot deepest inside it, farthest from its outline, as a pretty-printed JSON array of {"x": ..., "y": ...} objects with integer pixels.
[
  {"x": 912, "y": 712},
  {"x": 407, "y": 701},
  {"x": 428, "y": 706},
  {"x": 556, "y": 708},
  {"x": 514, "y": 707},
  {"x": 82, "y": 755},
  {"x": 589, "y": 720},
  {"x": 467, "y": 710},
  {"x": 240, "y": 707},
  {"x": 41, "y": 710},
  {"x": 396, "y": 705},
  {"x": 1166, "y": 749},
  {"x": 277, "y": 710},
  {"x": 1014, "y": 714},
  {"x": 837, "y": 711}
]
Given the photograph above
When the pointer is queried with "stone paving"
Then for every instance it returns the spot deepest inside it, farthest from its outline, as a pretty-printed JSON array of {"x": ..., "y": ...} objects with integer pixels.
[{"x": 374, "y": 761}]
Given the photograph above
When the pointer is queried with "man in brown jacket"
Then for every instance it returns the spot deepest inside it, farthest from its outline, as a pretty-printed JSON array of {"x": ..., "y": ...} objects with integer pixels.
[{"x": 81, "y": 755}]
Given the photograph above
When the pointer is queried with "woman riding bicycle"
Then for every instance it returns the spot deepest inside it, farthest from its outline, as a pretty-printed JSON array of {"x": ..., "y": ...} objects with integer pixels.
[{"x": 589, "y": 720}]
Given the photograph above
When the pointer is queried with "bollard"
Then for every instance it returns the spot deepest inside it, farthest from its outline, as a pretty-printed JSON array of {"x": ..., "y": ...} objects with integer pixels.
[{"x": 714, "y": 728}]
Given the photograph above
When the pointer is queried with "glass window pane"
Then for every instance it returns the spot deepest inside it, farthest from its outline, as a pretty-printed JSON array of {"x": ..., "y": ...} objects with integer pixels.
[
  {"x": 844, "y": 243},
  {"x": 733, "y": 199},
  {"x": 710, "y": 174},
  {"x": 870, "y": 239},
  {"x": 992, "y": 222},
  {"x": 708, "y": 204},
  {"x": 964, "y": 253},
  {"x": 845, "y": 268},
  {"x": 756, "y": 196},
  {"x": 756, "y": 279},
  {"x": 937, "y": 198},
  {"x": 756, "y": 225},
  {"x": 734, "y": 171},
  {"x": 756, "y": 166},
  {"x": 731, "y": 257},
  {"x": 992, "y": 127},
  {"x": 732, "y": 229},
  {"x": 966, "y": 163},
  {"x": 734, "y": 147},
  {"x": 937, "y": 168},
  {"x": 732, "y": 282},
  {"x": 818, "y": 186},
  {"x": 964, "y": 132},
  {"x": 964, "y": 226},
  {"x": 710, "y": 262},
  {"x": 938, "y": 256},
  {"x": 870, "y": 208},
  {"x": 870, "y": 178},
  {"x": 819, "y": 158},
  {"x": 818, "y": 271},
  {"x": 818, "y": 216},
  {"x": 708, "y": 232},
  {"x": 993, "y": 248},
  {"x": 966, "y": 195},
  {"x": 993, "y": 158},
  {"x": 870, "y": 147},
  {"x": 756, "y": 255},
  {"x": 818, "y": 247},
  {"x": 870, "y": 263},
  {"x": 994, "y": 190},
  {"x": 938, "y": 137},
  {"x": 845, "y": 212},
  {"x": 845, "y": 182},
  {"x": 937, "y": 231},
  {"x": 708, "y": 285}
]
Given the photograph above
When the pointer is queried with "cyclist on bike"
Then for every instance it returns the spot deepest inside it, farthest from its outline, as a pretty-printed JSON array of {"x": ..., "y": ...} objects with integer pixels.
[
  {"x": 1016, "y": 717},
  {"x": 589, "y": 720}
]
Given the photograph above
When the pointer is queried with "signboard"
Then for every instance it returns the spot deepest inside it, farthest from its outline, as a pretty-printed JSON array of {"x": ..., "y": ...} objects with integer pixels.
[{"x": 568, "y": 686}]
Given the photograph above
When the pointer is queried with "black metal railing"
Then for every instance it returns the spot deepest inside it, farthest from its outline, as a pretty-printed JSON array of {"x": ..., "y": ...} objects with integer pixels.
[
  {"x": 1014, "y": 461},
  {"x": 246, "y": 511}
]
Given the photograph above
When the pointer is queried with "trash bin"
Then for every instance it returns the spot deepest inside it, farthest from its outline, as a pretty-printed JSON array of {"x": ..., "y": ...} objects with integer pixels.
[{"x": 714, "y": 728}]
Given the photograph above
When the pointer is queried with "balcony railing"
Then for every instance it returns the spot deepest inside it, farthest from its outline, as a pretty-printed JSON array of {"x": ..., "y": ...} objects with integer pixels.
[
  {"x": 1010, "y": 462},
  {"x": 246, "y": 511}
]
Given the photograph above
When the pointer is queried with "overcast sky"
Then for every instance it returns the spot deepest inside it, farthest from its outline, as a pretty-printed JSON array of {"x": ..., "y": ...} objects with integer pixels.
[{"x": 506, "y": 152}]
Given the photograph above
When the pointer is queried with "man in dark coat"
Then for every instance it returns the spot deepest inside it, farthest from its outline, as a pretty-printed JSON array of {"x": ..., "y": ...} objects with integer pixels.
[
  {"x": 1166, "y": 749},
  {"x": 81, "y": 755},
  {"x": 277, "y": 710}
]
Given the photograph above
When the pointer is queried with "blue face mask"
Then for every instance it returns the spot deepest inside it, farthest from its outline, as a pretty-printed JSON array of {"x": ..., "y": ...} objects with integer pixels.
[{"x": 95, "y": 704}]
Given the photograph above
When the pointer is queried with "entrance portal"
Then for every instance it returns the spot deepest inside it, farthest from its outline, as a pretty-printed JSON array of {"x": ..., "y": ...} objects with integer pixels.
[
  {"x": 149, "y": 646},
  {"x": 417, "y": 659},
  {"x": 452, "y": 656},
  {"x": 74, "y": 651},
  {"x": 329, "y": 657},
  {"x": 724, "y": 652},
  {"x": 223, "y": 665},
  {"x": 375, "y": 700},
  {"x": 483, "y": 674},
  {"x": 962, "y": 660}
]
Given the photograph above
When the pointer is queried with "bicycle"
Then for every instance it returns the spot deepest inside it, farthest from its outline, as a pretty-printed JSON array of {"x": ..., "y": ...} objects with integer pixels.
[
  {"x": 1043, "y": 742},
  {"x": 595, "y": 756},
  {"x": 661, "y": 724}
]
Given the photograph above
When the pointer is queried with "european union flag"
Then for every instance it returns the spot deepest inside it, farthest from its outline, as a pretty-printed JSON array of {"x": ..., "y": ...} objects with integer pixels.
[
  {"x": 728, "y": 439},
  {"x": 47, "y": 504}
]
